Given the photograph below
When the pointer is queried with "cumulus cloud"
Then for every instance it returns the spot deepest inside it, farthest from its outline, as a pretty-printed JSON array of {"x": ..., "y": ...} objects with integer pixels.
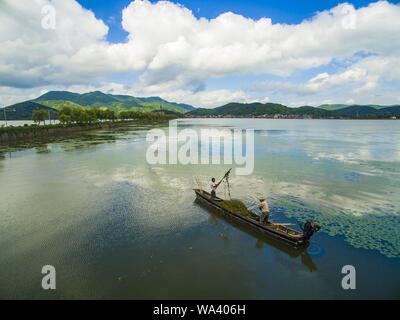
[
  {"x": 350, "y": 101},
  {"x": 9, "y": 95},
  {"x": 31, "y": 55},
  {"x": 360, "y": 80},
  {"x": 177, "y": 52},
  {"x": 232, "y": 43}
]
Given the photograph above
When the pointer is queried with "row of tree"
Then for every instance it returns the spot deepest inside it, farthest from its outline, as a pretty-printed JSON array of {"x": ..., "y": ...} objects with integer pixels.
[
  {"x": 69, "y": 115},
  {"x": 146, "y": 116},
  {"x": 40, "y": 115}
]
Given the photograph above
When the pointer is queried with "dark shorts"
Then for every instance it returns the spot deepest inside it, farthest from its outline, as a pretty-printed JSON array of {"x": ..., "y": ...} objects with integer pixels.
[
  {"x": 213, "y": 194},
  {"x": 264, "y": 217}
]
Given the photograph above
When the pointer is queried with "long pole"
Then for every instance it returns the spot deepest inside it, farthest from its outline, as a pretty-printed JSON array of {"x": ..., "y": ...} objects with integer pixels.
[
  {"x": 226, "y": 177},
  {"x": 5, "y": 116}
]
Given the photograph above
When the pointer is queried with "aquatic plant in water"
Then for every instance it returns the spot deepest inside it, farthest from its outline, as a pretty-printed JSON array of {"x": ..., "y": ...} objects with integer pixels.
[{"x": 369, "y": 232}]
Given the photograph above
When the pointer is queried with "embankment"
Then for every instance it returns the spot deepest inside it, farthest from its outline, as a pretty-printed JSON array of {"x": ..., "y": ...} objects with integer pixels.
[{"x": 10, "y": 134}]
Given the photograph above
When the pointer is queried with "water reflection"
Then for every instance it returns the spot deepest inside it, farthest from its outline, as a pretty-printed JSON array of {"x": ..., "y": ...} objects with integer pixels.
[
  {"x": 308, "y": 261},
  {"x": 260, "y": 240},
  {"x": 85, "y": 141},
  {"x": 44, "y": 148}
]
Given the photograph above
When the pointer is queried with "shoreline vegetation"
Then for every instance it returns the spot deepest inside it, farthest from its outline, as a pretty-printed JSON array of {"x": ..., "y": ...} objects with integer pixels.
[
  {"x": 279, "y": 111},
  {"x": 78, "y": 119}
]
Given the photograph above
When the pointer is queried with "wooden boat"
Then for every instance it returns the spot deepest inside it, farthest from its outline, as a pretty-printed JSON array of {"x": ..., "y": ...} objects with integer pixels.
[
  {"x": 261, "y": 238},
  {"x": 279, "y": 232}
]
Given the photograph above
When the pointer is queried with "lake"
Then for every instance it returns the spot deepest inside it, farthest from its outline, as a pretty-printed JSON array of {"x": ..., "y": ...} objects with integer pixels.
[{"x": 116, "y": 227}]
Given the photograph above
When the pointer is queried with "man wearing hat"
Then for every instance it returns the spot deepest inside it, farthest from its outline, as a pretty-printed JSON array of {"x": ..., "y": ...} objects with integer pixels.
[{"x": 264, "y": 211}]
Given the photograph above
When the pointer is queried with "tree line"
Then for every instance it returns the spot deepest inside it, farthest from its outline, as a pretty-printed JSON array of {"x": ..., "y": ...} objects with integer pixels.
[{"x": 68, "y": 115}]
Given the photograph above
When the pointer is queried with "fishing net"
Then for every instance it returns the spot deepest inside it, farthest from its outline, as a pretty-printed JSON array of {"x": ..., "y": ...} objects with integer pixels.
[{"x": 228, "y": 186}]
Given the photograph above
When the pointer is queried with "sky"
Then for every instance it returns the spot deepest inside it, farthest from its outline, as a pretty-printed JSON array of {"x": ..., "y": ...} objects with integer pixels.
[{"x": 204, "y": 53}]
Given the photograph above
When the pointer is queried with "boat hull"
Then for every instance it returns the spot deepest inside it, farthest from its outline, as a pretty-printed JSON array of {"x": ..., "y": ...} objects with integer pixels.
[{"x": 285, "y": 235}]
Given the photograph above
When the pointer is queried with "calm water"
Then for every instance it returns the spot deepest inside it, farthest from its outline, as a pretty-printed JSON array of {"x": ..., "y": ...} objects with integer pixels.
[{"x": 116, "y": 227}]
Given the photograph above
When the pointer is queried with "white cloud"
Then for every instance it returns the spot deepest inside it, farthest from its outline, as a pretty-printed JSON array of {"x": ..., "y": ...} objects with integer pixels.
[
  {"x": 178, "y": 52},
  {"x": 361, "y": 79},
  {"x": 9, "y": 95},
  {"x": 32, "y": 56},
  {"x": 296, "y": 104},
  {"x": 265, "y": 100},
  {"x": 232, "y": 44},
  {"x": 213, "y": 98},
  {"x": 351, "y": 101},
  {"x": 326, "y": 81}
]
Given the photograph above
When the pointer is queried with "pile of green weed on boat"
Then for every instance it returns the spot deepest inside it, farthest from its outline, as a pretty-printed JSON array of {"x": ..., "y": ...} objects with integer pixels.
[{"x": 236, "y": 206}]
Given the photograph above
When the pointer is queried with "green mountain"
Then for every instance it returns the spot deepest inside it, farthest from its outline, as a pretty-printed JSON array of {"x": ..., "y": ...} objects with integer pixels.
[
  {"x": 258, "y": 109},
  {"x": 240, "y": 109},
  {"x": 334, "y": 107},
  {"x": 97, "y": 99},
  {"x": 24, "y": 110},
  {"x": 357, "y": 110},
  {"x": 55, "y": 100},
  {"x": 368, "y": 111},
  {"x": 272, "y": 109}
]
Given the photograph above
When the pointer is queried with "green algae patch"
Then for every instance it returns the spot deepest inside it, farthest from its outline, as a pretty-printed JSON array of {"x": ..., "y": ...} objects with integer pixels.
[
  {"x": 236, "y": 206},
  {"x": 370, "y": 232}
]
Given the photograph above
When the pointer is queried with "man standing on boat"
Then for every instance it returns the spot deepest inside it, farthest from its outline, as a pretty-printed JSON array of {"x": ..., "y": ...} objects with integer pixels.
[
  {"x": 264, "y": 211},
  {"x": 214, "y": 187}
]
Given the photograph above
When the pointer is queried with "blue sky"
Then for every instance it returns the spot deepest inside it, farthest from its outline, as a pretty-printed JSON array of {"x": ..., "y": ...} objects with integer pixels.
[{"x": 197, "y": 52}]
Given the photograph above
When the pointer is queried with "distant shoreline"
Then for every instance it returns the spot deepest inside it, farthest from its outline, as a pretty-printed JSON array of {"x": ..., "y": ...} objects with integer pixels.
[
  {"x": 279, "y": 111},
  {"x": 266, "y": 118}
]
